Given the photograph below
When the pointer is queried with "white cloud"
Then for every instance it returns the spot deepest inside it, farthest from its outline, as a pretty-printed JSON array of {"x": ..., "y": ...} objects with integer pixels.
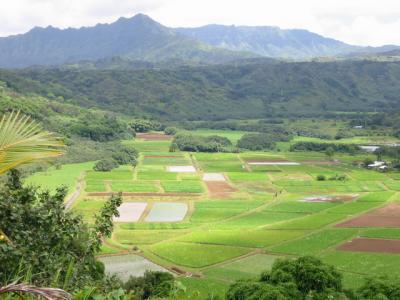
[{"x": 363, "y": 22}]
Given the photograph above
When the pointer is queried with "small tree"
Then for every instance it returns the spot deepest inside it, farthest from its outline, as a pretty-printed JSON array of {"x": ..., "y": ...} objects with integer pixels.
[
  {"x": 330, "y": 152},
  {"x": 48, "y": 241},
  {"x": 303, "y": 278},
  {"x": 105, "y": 165},
  {"x": 170, "y": 130},
  {"x": 152, "y": 285}
]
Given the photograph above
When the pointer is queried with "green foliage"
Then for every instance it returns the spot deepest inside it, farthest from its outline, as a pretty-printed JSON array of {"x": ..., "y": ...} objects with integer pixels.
[
  {"x": 120, "y": 155},
  {"x": 23, "y": 141},
  {"x": 99, "y": 128},
  {"x": 146, "y": 125},
  {"x": 303, "y": 278},
  {"x": 379, "y": 289},
  {"x": 151, "y": 285},
  {"x": 325, "y": 147},
  {"x": 194, "y": 143},
  {"x": 124, "y": 154},
  {"x": 105, "y": 165},
  {"x": 46, "y": 240},
  {"x": 170, "y": 130},
  {"x": 257, "y": 142},
  {"x": 242, "y": 91}
]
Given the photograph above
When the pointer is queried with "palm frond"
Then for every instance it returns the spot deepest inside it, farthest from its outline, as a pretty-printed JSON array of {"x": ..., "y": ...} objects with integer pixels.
[
  {"x": 22, "y": 141},
  {"x": 47, "y": 293}
]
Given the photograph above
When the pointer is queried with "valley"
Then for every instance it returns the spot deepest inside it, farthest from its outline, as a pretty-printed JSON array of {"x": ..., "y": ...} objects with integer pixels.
[
  {"x": 224, "y": 216},
  {"x": 205, "y": 150}
]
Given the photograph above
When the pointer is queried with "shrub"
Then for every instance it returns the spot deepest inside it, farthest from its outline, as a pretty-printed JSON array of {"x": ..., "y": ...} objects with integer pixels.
[
  {"x": 152, "y": 285},
  {"x": 321, "y": 178},
  {"x": 219, "y": 140},
  {"x": 338, "y": 177},
  {"x": 194, "y": 143},
  {"x": 105, "y": 165},
  {"x": 170, "y": 130},
  {"x": 256, "y": 142},
  {"x": 146, "y": 125},
  {"x": 325, "y": 147},
  {"x": 303, "y": 278},
  {"x": 100, "y": 128},
  {"x": 125, "y": 155}
]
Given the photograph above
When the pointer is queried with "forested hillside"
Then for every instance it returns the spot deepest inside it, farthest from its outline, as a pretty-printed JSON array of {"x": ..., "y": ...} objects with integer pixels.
[{"x": 225, "y": 91}]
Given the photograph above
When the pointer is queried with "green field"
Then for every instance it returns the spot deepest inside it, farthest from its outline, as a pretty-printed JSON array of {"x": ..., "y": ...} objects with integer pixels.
[
  {"x": 236, "y": 236},
  {"x": 53, "y": 178}
]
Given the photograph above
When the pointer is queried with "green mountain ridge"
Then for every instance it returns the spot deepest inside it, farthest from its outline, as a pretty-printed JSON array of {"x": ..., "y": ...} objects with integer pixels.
[
  {"x": 253, "y": 90},
  {"x": 141, "y": 39},
  {"x": 137, "y": 38}
]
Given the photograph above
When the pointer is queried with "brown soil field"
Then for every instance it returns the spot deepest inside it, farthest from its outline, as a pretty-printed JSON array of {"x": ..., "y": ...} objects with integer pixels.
[
  {"x": 153, "y": 136},
  {"x": 371, "y": 245},
  {"x": 219, "y": 189},
  {"x": 388, "y": 216}
]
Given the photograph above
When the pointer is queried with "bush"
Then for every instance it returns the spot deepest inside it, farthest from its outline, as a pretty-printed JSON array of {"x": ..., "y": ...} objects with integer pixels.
[
  {"x": 124, "y": 155},
  {"x": 170, "y": 130},
  {"x": 338, "y": 177},
  {"x": 194, "y": 143},
  {"x": 325, "y": 147},
  {"x": 303, "y": 278},
  {"x": 151, "y": 285},
  {"x": 219, "y": 140},
  {"x": 146, "y": 125},
  {"x": 105, "y": 165},
  {"x": 321, "y": 178},
  {"x": 101, "y": 128},
  {"x": 256, "y": 142}
]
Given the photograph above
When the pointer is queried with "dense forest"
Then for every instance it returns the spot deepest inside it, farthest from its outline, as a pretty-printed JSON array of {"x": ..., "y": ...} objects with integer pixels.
[{"x": 225, "y": 91}]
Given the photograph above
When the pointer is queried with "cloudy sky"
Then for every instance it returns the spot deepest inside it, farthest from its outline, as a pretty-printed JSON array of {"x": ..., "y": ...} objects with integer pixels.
[{"x": 361, "y": 22}]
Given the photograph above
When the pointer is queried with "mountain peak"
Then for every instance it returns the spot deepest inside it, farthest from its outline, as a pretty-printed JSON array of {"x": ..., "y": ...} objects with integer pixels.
[{"x": 138, "y": 19}]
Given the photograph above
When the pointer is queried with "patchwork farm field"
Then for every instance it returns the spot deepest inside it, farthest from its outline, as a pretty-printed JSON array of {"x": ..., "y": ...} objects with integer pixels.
[{"x": 229, "y": 218}]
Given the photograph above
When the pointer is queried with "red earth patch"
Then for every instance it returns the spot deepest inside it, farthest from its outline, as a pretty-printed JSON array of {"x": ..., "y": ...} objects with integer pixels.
[
  {"x": 153, "y": 136},
  {"x": 388, "y": 216},
  {"x": 219, "y": 189},
  {"x": 371, "y": 245}
]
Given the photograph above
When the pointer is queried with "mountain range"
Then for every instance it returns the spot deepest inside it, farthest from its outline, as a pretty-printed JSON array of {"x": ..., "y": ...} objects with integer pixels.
[{"x": 142, "y": 40}]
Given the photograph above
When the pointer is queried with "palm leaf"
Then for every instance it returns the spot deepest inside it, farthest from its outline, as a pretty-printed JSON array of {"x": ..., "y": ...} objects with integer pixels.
[
  {"x": 22, "y": 141},
  {"x": 47, "y": 293}
]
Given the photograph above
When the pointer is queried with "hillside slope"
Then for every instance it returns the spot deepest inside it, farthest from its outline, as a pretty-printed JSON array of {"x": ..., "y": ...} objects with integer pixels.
[{"x": 253, "y": 90}]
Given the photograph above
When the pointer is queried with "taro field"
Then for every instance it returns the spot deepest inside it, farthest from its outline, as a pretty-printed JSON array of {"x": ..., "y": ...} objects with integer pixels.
[{"x": 215, "y": 218}]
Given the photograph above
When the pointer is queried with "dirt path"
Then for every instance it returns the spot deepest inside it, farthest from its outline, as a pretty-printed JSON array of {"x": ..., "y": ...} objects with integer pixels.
[
  {"x": 194, "y": 162},
  {"x": 245, "y": 165},
  {"x": 71, "y": 200}
]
